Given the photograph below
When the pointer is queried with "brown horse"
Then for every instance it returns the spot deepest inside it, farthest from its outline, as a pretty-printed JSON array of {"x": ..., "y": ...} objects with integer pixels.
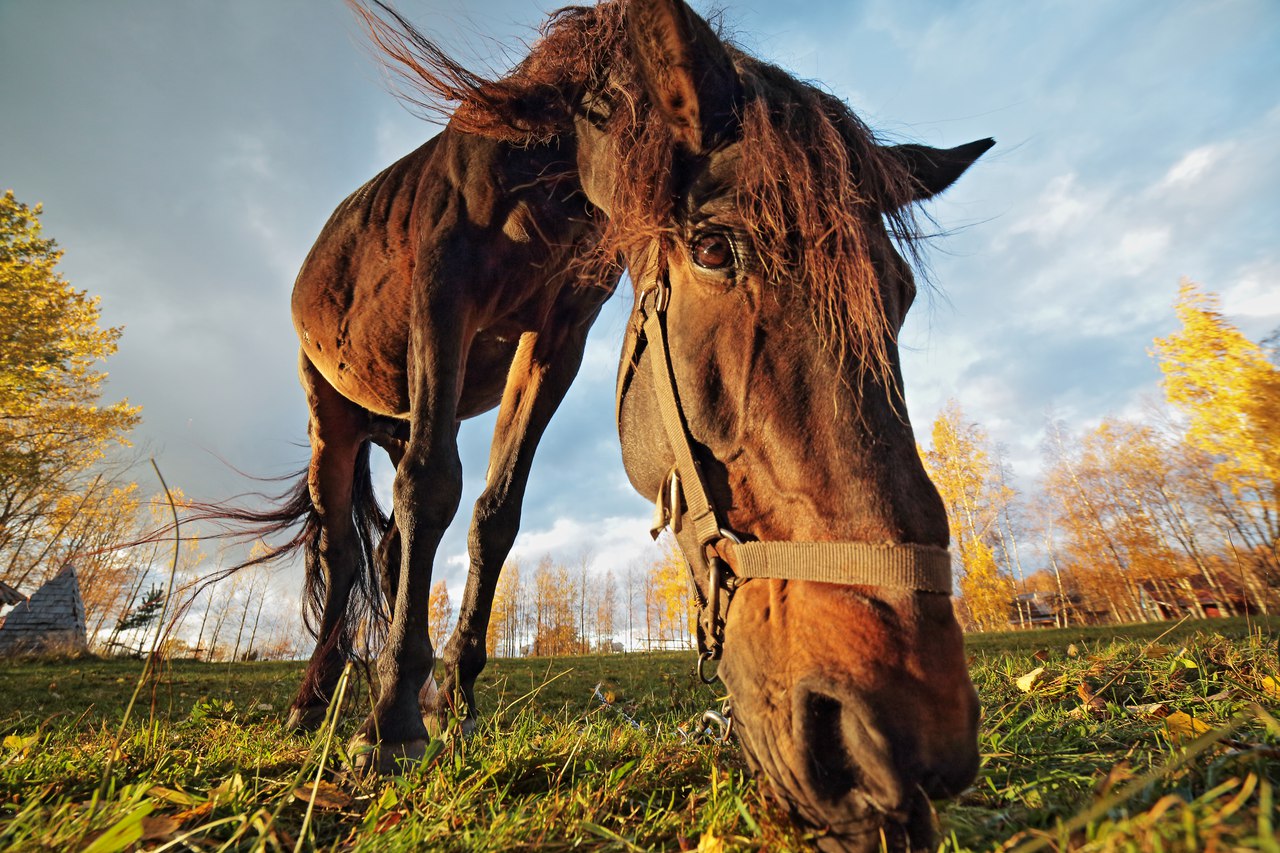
[{"x": 760, "y": 396}]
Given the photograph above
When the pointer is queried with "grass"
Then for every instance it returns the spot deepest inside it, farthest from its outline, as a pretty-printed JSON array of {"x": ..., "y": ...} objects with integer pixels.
[{"x": 1124, "y": 742}]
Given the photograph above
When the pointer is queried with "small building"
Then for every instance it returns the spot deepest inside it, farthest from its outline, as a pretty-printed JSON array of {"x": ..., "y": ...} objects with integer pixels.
[{"x": 51, "y": 621}]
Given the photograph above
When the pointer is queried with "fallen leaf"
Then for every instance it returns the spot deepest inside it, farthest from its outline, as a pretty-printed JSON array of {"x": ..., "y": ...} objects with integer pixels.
[
  {"x": 1153, "y": 709},
  {"x": 709, "y": 843},
  {"x": 1157, "y": 652},
  {"x": 169, "y": 795},
  {"x": 1181, "y": 726},
  {"x": 159, "y": 827},
  {"x": 1072, "y": 651},
  {"x": 1091, "y": 700},
  {"x": 1027, "y": 682},
  {"x": 327, "y": 795},
  {"x": 1271, "y": 687},
  {"x": 20, "y": 743},
  {"x": 198, "y": 812},
  {"x": 1041, "y": 655},
  {"x": 387, "y": 821}
]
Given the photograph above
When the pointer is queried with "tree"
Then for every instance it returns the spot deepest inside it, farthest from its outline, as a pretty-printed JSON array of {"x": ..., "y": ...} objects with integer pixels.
[
  {"x": 670, "y": 616},
  {"x": 506, "y": 624},
  {"x": 959, "y": 463},
  {"x": 439, "y": 613},
  {"x": 606, "y": 609},
  {"x": 1229, "y": 392},
  {"x": 141, "y": 615},
  {"x": 53, "y": 430},
  {"x": 555, "y": 620}
]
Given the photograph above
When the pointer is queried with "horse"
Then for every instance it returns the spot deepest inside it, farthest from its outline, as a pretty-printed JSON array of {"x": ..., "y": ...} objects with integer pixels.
[{"x": 769, "y": 238}]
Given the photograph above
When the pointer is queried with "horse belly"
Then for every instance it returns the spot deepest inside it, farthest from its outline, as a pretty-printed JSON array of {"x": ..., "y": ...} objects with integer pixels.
[{"x": 358, "y": 341}]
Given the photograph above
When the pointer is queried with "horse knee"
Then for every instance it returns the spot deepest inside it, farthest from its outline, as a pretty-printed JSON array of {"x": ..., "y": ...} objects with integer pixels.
[
  {"x": 493, "y": 531},
  {"x": 427, "y": 491}
]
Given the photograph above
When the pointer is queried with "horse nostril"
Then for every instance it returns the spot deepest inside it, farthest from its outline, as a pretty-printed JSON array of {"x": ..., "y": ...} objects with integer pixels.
[{"x": 831, "y": 770}]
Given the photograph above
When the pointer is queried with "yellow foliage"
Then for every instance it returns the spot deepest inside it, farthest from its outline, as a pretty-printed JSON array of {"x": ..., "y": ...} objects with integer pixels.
[
  {"x": 439, "y": 613},
  {"x": 1229, "y": 392},
  {"x": 52, "y": 428},
  {"x": 962, "y": 469}
]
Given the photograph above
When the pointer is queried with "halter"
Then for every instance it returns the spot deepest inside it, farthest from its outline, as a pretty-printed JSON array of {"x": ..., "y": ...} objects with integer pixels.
[{"x": 684, "y": 505}]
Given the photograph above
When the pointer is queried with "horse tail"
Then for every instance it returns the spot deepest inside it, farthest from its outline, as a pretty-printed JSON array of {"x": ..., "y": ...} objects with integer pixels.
[
  {"x": 293, "y": 513},
  {"x": 365, "y": 605}
]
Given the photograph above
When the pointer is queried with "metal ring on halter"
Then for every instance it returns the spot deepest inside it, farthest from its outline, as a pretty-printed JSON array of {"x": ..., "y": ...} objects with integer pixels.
[{"x": 702, "y": 661}]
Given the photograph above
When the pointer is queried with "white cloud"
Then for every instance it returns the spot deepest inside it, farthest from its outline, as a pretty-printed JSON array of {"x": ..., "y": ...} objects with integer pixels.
[
  {"x": 1193, "y": 165},
  {"x": 1139, "y": 249},
  {"x": 1255, "y": 295},
  {"x": 1062, "y": 206}
]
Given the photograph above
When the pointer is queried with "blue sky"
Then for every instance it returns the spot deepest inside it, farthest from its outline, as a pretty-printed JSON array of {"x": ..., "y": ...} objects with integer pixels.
[{"x": 187, "y": 154}]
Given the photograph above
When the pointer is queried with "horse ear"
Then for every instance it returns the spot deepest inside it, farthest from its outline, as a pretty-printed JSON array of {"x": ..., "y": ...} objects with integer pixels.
[
  {"x": 686, "y": 70},
  {"x": 935, "y": 169}
]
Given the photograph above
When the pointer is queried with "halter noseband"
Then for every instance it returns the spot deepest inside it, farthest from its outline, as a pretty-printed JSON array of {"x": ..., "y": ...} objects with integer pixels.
[{"x": 684, "y": 505}]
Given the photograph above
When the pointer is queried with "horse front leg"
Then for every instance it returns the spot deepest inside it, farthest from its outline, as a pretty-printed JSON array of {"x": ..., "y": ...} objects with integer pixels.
[
  {"x": 428, "y": 486},
  {"x": 544, "y": 367}
]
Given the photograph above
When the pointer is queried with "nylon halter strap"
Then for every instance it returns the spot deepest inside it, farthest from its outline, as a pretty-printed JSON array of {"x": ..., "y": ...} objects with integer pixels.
[{"x": 684, "y": 504}]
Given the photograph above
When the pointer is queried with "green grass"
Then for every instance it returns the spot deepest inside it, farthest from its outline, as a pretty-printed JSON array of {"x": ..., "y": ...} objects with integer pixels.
[{"x": 204, "y": 763}]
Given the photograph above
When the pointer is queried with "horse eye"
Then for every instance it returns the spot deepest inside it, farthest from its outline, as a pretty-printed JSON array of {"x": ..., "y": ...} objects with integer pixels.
[{"x": 712, "y": 252}]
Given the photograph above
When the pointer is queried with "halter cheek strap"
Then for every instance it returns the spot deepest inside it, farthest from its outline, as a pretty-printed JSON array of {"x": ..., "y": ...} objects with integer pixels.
[{"x": 684, "y": 505}]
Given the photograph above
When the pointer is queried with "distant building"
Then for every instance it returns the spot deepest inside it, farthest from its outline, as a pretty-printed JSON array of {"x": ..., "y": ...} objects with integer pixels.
[
  {"x": 51, "y": 621},
  {"x": 1052, "y": 610}
]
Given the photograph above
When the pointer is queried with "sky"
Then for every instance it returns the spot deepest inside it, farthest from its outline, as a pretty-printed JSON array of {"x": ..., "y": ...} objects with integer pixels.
[{"x": 187, "y": 154}]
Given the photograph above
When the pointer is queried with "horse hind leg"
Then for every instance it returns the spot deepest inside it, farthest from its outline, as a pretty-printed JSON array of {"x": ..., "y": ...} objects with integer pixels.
[
  {"x": 338, "y": 430},
  {"x": 392, "y": 437}
]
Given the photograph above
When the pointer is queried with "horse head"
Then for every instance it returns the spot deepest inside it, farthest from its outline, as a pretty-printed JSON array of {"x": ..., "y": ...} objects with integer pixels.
[{"x": 762, "y": 227}]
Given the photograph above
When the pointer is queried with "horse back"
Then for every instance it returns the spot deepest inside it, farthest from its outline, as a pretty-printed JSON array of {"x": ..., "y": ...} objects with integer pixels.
[{"x": 496, "y": 226}]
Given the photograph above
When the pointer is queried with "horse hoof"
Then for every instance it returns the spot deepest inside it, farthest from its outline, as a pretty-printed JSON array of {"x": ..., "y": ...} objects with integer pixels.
[
  {"x": 307, "y": 719},
  {"x": 387, "y": 758}
]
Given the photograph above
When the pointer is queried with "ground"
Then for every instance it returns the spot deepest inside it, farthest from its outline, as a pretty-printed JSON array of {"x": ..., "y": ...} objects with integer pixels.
[{"x": 1125, "y": 740}]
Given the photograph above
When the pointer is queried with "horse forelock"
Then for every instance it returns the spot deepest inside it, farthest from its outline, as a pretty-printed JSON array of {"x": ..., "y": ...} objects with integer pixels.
[{"x": 812, "y": 183}]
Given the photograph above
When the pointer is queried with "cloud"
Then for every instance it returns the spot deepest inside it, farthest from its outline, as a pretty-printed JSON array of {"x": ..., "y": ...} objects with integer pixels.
[{"x": 1193, "y": 166}]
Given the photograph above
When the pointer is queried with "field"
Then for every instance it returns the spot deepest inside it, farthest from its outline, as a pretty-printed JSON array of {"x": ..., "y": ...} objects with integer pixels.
[{"x": 1127, "y": 740}]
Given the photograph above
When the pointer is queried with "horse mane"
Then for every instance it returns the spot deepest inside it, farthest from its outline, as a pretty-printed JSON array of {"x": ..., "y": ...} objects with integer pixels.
[{"x": 813, "y": 183}]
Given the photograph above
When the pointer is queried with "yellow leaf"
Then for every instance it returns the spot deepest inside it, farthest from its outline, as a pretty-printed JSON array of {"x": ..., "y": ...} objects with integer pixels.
[
  {"x": 20, "y": 743},
  {"x": 709, "y": 843},
  {"x": 1028, "y": 682},
  {"x": 327, "y": 795},
  {"x": 1271, "y": 687},
  {"x": 1181, "y": 726},
  {"x": 169, "y": 795}
]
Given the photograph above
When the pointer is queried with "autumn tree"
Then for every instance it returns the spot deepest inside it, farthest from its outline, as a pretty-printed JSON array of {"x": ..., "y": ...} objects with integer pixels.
[
  {"x": 1228, "y": 391},
  {"x": 439, "y": 613},
  {"x": 606, "y": 609},
  {"x": 669, "y": 615},
  {"x": 554, "y": 611},
  {"x": 960, "y": 465},
  {"x": 506, "y": 624},
  {"x": 53, "y": 430}
]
